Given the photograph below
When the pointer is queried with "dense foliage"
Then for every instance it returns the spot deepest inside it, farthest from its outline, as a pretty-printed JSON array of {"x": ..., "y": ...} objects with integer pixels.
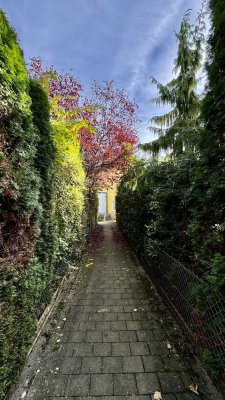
[
  {"x": 154, "y": 208},
  {"x": 176, "y": 205},
  {"x": 183, "y": 195},
  {"x": 43, "y": 196},
  {"x": 108, "y": 136},
  {"x": 108, "y": 151},
  {"x": 21, "y": 209}
]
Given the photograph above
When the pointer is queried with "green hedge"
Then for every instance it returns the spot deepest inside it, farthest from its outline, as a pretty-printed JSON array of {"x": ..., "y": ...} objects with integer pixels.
[
  {"x": 152, "y": 208},
  {"x": 21, "y": 208},
  {"x": 44, "y": 223},
  {"x": 163, "y": 206},
  {"x": 44, "y": 162}
]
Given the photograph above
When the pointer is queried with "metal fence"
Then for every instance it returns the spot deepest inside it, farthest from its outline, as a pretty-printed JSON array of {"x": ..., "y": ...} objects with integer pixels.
[{"x": 200, "y": 309}]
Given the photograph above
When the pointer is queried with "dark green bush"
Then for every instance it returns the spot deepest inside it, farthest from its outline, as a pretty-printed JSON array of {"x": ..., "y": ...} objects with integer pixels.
[
  {"x": 152, "y": 207},
  {"x": 44, "y": 162}
]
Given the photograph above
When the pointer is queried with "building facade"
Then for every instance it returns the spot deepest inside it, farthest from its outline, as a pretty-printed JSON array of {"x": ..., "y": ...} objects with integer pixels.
[{"x": 107, "y": 203}]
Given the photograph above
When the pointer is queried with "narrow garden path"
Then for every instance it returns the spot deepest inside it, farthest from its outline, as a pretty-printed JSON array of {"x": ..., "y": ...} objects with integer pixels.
[{"x": 109, "y": 337}]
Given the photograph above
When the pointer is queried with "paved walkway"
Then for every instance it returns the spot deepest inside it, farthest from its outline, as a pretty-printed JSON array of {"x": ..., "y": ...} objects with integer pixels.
[{"x": 106, "y": 338}]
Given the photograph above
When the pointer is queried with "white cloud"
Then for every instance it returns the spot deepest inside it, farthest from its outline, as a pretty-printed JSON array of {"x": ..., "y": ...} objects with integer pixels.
[{"x": 145, "y": 29}]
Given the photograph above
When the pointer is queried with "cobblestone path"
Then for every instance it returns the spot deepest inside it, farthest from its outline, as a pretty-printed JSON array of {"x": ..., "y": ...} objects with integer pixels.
[{"x": 106, "y": 338}]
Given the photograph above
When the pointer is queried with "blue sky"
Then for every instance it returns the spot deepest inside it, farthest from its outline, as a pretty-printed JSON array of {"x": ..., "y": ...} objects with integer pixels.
[{"x": 124, "y": 40}]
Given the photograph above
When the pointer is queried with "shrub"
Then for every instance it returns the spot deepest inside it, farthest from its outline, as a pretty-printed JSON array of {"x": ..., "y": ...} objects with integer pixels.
[{"x": 19, "y": 196}]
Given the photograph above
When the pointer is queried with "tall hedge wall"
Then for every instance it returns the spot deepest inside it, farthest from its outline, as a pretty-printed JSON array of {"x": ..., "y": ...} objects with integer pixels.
[
  {"x": 20, "y": 209},
  {"x": 43, "y": 201}
]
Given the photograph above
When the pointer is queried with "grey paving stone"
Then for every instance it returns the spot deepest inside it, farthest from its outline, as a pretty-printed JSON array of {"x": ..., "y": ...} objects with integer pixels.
[
  {"x": 145, "y": 336},
  {"x": 124, "y": 384},
  {"x": 115, "y": 296},
  {"x": 78, "y": 385},
  {"x": 187, "y": 379},
  {"x": 118, "y": 326},
  {"x": 153, "y": 363},
  {"x": 147, "y": 383},
  {"x": 170, "y": 396},
  {"x": 133, "y": 364},
  {"x": 123, "y": 302},
  {"x": 86, "y": 326},
  {"x": 62, "y": 349},
  {"x": 82, "y": 349},
  {"x": 206, "y": 385},
  {"x": 140, "y": 316},
  {"x": 102, "y": 349},
  {"x": 104, "y": 309},
  {"x": 112, "y": 364},
  {"x": 77, "y": 336},
  {"x": 110, "y": 302},
  {"x": 94, "y": 336},
  {"x": 129, "y": 308},
  {"x": 110, "y": 317},
  {"x": 127, "y": 296},
  {"x": 35, "y": 395},
  {"x": 212, "y": 396},
  {"x": 139, "y": 348},
  {"x": 128, "y": 336},
  {"x": 101, "y": 384},
  {"x": 117, "y": 309},
  {"x": 159, "y": 334},
  {"x": 70, "y": 365},
  {"x": 80, "y": 317},
  {"x": 110, "y": 336},
  {"x": 149, "y": 324},
  {"x": 172, "y": 363},
  {"x": 126, "y": 316},
  {"x": 49, "y": 385},
  {"x": 186, "y": 396},
  {"x": 91, "y": 365},
  {"x": 102, "y": 326},
  {"x": 133, "y": 325},
  {"x": 158, "y": 348},
  {"x": 170, "y": 382},
  {"x": 121, "y": 349},
  {"x": 96, "y": 317}
]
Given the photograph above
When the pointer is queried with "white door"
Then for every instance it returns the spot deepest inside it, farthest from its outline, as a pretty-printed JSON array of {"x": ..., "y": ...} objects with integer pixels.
[{"x": 102, "y": 203}]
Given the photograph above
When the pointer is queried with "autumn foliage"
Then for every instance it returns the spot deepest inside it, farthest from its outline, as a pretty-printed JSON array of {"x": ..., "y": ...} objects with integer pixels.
[
  {"x": 108, "y": 151},
  {"x": 108, "y": 136}
]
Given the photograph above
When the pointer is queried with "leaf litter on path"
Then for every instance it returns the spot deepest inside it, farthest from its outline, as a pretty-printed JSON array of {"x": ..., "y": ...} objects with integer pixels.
[
  {"x": 157, "y": 396},
  {"x": 194, "y": 388}
]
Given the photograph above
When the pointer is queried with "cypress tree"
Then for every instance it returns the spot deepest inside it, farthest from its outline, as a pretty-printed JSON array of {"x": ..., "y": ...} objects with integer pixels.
[
  {"x": 44, "y": 162},
  {"x": 177, "y": 127}
]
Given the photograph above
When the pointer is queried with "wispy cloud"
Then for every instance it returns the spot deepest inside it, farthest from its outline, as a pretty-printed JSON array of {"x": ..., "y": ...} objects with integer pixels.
[
  {"x": 145, "y": 30},
  {"x": 124, "y": 40}
]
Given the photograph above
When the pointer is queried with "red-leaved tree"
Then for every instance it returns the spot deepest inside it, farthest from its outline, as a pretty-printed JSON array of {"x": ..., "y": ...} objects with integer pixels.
[
  {"x": 108, "y": 151},
  {"x": 110, "y": 113}
]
